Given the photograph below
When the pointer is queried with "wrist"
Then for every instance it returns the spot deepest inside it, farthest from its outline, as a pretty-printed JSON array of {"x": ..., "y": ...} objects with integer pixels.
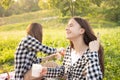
[{"x": 95, "y": 51}]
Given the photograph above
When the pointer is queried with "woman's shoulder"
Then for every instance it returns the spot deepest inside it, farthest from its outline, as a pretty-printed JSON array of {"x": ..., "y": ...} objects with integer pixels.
[
  {"x": 91, "y": 54},
  {"x": 29, "y": 38}
]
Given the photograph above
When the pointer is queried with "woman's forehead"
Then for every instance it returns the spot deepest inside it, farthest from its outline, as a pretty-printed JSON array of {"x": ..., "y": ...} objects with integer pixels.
[{"x": 71, "y": 21}]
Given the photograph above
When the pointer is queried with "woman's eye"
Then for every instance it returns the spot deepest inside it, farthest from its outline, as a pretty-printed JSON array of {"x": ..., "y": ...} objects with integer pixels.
[{"x": 71, "y": 25}]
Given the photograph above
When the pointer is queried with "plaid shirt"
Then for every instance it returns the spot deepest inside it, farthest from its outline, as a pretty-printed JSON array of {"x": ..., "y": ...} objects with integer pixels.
[
  {"x": 25, "y": 55},
  {"x": 86, "y": 68}
]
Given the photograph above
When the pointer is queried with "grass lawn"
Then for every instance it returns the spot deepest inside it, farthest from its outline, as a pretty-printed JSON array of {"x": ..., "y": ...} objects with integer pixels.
[{"x": 54, "y": 35}]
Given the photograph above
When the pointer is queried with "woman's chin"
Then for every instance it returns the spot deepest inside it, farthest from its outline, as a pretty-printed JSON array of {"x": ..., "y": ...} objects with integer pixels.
[{"x": 68, "y": 38}]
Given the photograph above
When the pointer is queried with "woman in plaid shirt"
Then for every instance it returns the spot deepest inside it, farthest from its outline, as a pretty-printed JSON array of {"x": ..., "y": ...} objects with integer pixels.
[
  {"x": 26, "y": 52},
  {"x": 83, "y": 59}
]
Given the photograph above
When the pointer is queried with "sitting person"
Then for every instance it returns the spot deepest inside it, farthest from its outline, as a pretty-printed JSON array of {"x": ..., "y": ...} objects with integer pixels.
[
  {"x": 83, "y": 59},
  {"x": 27, "y": 50}
]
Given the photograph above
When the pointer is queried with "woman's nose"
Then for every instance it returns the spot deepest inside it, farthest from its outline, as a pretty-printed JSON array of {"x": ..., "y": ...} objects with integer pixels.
[{"x": 67, "y": 28}]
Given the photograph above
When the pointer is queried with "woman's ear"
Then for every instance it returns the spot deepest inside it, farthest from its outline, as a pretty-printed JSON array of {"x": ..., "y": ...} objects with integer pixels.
[{"x": 82, "y": 30}]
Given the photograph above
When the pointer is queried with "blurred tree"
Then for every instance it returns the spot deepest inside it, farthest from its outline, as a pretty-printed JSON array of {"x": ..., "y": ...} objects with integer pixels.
[
  {"x": 1, "y": 11},
  {"x": 4, "y": 6},
  {"x": 28, "y": 5},
  {"x": 6, "y": 3},
  {"x": 109, "y": 8},
  {"x": 113, "y": 10},
  {"x": 64, "y": 6},
  {"x": 97, "y": 2},
  {"x": 10, "y": 7},
  {"x": 43, "y": 4},
  {"x": 69, "y": 7}
]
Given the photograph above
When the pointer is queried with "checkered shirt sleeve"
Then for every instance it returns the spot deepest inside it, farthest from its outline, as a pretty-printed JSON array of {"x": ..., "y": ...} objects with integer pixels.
[
  {"x": 34, "y": 44},
  {"x": 55, "y": 72},
  {"x": 93, "y": 68}
]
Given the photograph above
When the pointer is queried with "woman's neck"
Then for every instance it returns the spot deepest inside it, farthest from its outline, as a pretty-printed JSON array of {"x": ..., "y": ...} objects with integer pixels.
[{"x": 79, "y": 45}]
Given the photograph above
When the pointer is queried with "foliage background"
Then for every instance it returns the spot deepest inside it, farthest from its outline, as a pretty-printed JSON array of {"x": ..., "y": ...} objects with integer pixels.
[{"x": 103, "y": 15}]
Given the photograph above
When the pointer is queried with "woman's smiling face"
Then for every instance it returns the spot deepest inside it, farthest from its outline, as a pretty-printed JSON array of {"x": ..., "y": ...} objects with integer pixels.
[{"x": 73, "y": 29}]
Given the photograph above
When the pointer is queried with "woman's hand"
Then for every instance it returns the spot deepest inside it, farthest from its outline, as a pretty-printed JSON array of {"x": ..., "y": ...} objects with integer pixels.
[
  {"x": 61, "y": 51},
  {"x": 94, "y": 45},
  {"x": 43, "y": 72}
]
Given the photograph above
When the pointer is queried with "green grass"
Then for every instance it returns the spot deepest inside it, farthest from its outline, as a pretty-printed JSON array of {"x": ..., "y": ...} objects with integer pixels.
[
  {"x": 31, "y": 16},
  {"x": 54, "y": 35},
  {"x": 56, "y": 38}
]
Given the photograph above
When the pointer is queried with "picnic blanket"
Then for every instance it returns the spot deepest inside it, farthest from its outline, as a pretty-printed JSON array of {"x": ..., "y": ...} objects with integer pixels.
[{"x": 9, "y": 75}]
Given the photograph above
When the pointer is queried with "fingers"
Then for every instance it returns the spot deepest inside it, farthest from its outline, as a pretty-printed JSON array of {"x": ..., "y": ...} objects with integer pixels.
[
  {"x": 58, "y": 56},
  {"x": 98, "y": 37},
  {"x": 44, "y": 71},
  {"x": 60, "y": 49},
  {"x": 94, "y": 46},
  {"x": 63, "y": 53}
]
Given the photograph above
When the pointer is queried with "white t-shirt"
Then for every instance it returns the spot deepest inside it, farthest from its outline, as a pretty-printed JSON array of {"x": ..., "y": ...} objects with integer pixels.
[{"x": 75, "y": 56}]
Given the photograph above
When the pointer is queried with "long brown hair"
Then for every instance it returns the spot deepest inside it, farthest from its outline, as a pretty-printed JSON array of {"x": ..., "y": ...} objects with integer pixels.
[
  {"x": 35, "y": 30},
  {"x": 88, "y": 37}
]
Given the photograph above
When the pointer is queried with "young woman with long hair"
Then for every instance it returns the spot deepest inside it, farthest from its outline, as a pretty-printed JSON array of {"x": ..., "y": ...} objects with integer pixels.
[
  {"x": 83, "y": 59},
  {"x": 27, "y": 50}
]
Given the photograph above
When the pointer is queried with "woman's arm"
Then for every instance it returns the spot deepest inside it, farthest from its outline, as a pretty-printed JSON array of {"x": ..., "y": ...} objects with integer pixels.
[
  {"x": 53, "y": 72},
  {"x": 93, "y": 68},
  {"x": 34, "y": 44},
  {"x": 50, "y": 57}
]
